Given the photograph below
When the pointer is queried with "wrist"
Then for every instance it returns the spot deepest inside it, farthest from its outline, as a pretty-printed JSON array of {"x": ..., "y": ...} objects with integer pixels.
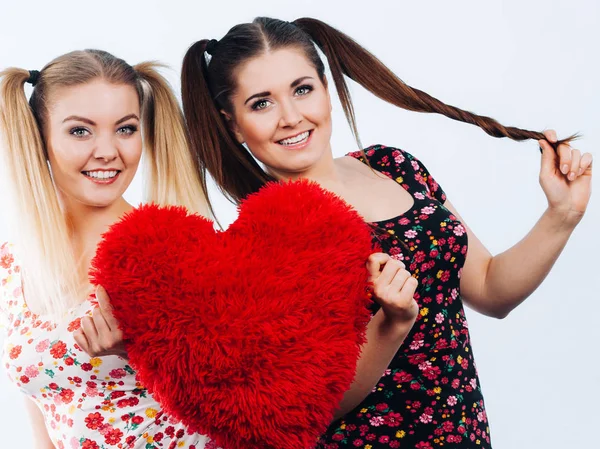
[
  {"x": 561, "y": 220},
  {"x": 392, "y": 328}
]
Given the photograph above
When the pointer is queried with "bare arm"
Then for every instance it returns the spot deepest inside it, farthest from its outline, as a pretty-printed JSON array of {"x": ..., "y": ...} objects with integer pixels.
[
  {"x": 393, "y": 289},
  {"x": 41, "y": 438},
  {"x": 496, "y": 285}
]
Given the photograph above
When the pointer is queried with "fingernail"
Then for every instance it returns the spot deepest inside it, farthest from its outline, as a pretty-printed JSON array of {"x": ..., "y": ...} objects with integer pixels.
[
  {"x": 565, "y": 169},
  {"x": 571, "y": 176},
  {"x": 580, "y": 171}
]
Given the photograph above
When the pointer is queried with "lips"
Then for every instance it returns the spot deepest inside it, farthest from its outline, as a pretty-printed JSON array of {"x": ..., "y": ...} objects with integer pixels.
[
  {"x": 296, "y": 141},
  {"x": 102, "y": 176}
]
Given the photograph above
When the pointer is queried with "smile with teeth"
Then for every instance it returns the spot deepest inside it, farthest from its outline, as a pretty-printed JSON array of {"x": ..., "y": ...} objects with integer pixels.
[
  {"x": 101, "y": 174},
  {"x": 302, "y": 137}
]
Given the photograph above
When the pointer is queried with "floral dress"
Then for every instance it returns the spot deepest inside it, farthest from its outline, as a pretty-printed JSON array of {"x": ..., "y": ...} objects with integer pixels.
[
  {"x": 89, "y": 403},
  {"x": 429, "y": 397}
]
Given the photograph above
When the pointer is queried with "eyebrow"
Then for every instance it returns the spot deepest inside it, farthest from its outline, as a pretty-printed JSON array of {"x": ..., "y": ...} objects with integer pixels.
[
  {"x": 267, "y": 93},
  {"x": 92, "y": 123}
]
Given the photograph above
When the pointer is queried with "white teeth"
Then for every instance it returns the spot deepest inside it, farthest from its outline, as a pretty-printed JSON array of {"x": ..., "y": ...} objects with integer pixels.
[
  {"x": 294, "y": 140},
  {"x": 101, "y": 174}
]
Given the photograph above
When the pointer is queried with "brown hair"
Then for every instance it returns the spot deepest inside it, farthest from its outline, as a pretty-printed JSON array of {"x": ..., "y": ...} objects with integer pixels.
[
  {"x": 207, "y": 88},
  {"x": 50, "y": 271}
]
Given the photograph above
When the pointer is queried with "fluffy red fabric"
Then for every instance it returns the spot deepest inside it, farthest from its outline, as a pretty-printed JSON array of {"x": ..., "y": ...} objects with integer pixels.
[{"x": 251, "y": 335}]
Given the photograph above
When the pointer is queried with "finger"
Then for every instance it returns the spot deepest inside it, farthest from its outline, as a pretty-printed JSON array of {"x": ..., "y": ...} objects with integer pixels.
[
  {"x": 548, "y": 156},
  {"x": 409, "y": 288},
  {"x": 388, "y": 273},
  {"x": 399, "y": 280},
  {"x": 585, "y": 164},
  {"x": 575, "y": 162},
  {"x": 564, "y": 157},
  {"x": 551, "y": 135},
  {"x": 106, "y": 307},
  {"x": 375, "y": 262},
  {"x": 89, "y": 329},
  {"x": 100, "y": 324},
  {"x": 81, "y": 340}
]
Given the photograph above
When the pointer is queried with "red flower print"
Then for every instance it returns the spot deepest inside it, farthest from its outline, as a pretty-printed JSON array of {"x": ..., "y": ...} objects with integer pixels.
[
  {"x": 74, "y": 325},
  {"x": 69, "y": 361},
  {"x": 113, "y": 436},
  {"x": 393, "y": 419},
  {"x": 381, "y": 407},
  {"x": 402, "y": 376},
  {"x": 24, "y": 379},
  {"x": 89, "y": 444},
  {"x": 87, "y": 366},
  {"x": 6, "y": 259},
  {"x": 66, "y": 395},
  {"x": 118, "y": 373},
  {"x": 53, "y": 386},
  {"x": 117, "y": 394},
  {"x": 94, "y": 421},
  {"x": 423, "y": 445},
  {"x": 15, "y": 352},
  {"x": 58, "y": 350},
  {"x": 137, "y": 420}
]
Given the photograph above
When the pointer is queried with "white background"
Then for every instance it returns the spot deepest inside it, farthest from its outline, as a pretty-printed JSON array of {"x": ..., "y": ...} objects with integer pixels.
[{"x": 533, "y": 64}]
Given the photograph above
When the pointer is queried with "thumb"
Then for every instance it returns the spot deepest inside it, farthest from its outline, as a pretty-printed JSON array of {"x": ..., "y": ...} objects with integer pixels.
[{"x": 549, "y": 157}]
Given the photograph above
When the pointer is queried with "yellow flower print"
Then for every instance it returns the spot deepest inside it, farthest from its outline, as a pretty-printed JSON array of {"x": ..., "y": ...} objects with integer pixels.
[
  {"x": 151, "y": 413},
  {"x": 424, "y": 311},
  {"x": 400, "y": 434},
  {"x": 96, "y": 362}
]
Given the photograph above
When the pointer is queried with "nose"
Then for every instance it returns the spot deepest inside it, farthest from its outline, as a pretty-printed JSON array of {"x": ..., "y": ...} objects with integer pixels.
[
  {"x": 290, "y": 115},
  {"x": 106, "y": 149}
]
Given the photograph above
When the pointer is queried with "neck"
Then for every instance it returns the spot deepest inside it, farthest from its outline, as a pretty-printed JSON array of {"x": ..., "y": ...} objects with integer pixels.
[
  {"x": 326, "y": 173},
  {"x": 88, "y": 223}
]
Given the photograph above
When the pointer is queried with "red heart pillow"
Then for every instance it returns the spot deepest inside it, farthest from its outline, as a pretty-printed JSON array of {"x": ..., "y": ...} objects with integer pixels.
[{"x": 250, "y": 335}]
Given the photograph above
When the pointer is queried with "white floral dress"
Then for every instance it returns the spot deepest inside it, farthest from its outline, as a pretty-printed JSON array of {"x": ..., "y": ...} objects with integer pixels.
[{"x": 89, "y": 403}]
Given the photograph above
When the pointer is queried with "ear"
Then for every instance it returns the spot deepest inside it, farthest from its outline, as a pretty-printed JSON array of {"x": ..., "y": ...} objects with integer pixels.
[{"x": 233, "y": 126}]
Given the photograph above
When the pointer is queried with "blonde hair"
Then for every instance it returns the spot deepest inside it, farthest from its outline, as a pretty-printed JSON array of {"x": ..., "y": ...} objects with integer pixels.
[{"x": 48, "y": 263}]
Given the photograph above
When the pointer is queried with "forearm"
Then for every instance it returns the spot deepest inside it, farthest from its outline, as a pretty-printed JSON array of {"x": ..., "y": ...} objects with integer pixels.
[
  {"x": 383, "y": 340},
  {"x": 41, "y": 439},
  {"x": 514, "y": 274}
]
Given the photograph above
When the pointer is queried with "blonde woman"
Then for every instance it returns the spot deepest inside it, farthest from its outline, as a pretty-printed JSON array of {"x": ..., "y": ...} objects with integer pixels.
[{"x": 70, "y": 154}]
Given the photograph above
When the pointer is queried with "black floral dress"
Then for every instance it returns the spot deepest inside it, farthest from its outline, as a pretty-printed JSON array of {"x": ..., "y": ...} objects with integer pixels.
[{"x": 429, "y": 397}]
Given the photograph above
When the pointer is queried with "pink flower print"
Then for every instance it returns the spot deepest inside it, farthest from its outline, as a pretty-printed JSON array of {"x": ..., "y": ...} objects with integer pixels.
[
  {"x": 458, "y": 230},
  {"x": 473, "y": 383},
  {"x": 415, "y": 165},
  {"x": 419, "y": 196},
  {"x": 452, "y": 401},
  {"x": 425, "y": 418},
  {"x": 439, "y": 318},
  {"x": 416, "y": 344},
  {"x": 31, "y": 371},
  {"x": 411, "y": 234},
  {"x": 376, "y": 421},
  {"x": 428, "y": 210}
]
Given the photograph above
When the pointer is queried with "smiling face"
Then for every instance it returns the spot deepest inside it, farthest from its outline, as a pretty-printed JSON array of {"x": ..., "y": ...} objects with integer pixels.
[
  {"x": 282, "y": 111},
  {"x": 93, "y": 141}
]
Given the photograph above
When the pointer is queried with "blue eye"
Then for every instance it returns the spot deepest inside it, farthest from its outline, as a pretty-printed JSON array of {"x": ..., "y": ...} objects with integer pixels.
[
  {"x": 127, "y": 130},
  {"x": 260, "y": 104},
  {"x": 79, "y": 132},
  {"x": 304, "y": 90}
]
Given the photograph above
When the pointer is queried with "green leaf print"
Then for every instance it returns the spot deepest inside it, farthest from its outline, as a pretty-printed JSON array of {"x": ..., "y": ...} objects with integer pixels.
[{"x": 50, "y": 373}]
